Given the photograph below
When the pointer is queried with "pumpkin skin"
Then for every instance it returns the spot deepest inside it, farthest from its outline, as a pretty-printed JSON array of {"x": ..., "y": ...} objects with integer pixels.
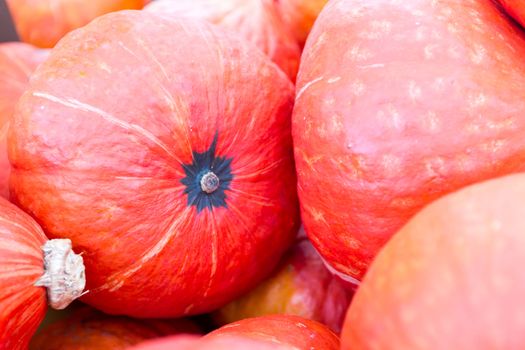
[
  {"x": 17, "y": 62},
  {"x": 380, "y": 132},
  {"x": 23, "y": 303},
  {"x": 515, "y": 8},
  {"x": 222, "y": 343},
  {"x": 290, "y": 330},
  {"x": 301, "y": 286},
  {"x": 88, "y": 329},
  {"x": 122, "y": 173},
  {"x": 452, "y": 278},
  {"x": 257, "y": 21},
  {"x": 44, "y": 22}
]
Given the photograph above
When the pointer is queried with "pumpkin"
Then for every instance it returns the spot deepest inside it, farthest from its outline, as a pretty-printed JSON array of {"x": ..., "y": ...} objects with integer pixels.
[
  {"x": 300, "y": 15},
  {"x": 162, "y": 149},
  {"x": 195, "y": 343},
  {"x": 88, "y": 329},
  {"x": 301, "y": 286},
  {"x": 515, "y": 8},
  {"x": 257, "y": 21},
  {"x": 44, "y": 22},
  {"x": 289, "y": 330},
  {"x": 380, "y": 132},
  {"x": 29, "y": 263},
  {"x": 452, "y": 278},
  {"x": 17, "y": 62}
]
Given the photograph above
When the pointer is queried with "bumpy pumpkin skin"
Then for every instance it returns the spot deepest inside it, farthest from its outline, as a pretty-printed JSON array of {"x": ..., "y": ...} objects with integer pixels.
[
  {"x": 222, "y": 343},
  {"x": 380, "y": 132},
  {"x": 294, "y": 331},
  {"x": 257, "y": 21},
  {"x": 22, "y": 305},
  {"x": 300, "y": 16},
  {"x": 301, "y": 286},
  {"x": 515, "y": 8},
  {"x": 17, "y": 62},
  {"x": 110, "y": 144},
  {"x": 88, "y": 329},
  {"x": 44, "y": 22},
  {"x": 452, "y": 278}
]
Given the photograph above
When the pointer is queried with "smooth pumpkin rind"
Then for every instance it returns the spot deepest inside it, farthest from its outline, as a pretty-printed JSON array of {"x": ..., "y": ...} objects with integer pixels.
[{"x": 451, "y": 278}]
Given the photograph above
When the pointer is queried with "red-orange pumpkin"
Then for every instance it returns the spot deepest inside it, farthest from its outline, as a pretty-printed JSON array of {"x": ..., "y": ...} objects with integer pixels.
[
  {"x": 257, "y": 21},
  {"x": 516, "y": 9},
  {"x": 300, "y": 15},
  {"x": 28, "y": 261},
  {"x": 452, "y": 278},
  {"x": 87, "y": 329},
  {"x": 17, "y": 62},
  {"x": 44, "y": 22},
  {"x": 301, "y": 286},
  {"x": 223, "y": 343},
  {"x": 294, "y": 331},
  {"x": 163, "y": 149},
  {"x": 399, "y": 103}
]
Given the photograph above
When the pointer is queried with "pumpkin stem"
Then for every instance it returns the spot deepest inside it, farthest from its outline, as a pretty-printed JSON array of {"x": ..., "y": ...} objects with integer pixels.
[
  {"x": 64, "y": 273},
  {"x": 210, "y": 182}
]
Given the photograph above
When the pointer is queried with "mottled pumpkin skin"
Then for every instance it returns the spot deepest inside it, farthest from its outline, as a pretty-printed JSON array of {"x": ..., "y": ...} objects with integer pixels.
[
  {"x": 289, "y": 330},
  {"x": 257, "y": 21},
  {"x": 300, "y": 16},
  {"x": 452, "y": 278},
  {"x": 22, "y": 305},
  {"x": 222, "y": 343},
  {"x": 515, "y": 8},
  {"x": 87, "y": 329},
  {"x": 17, "y": 62},
  {"x": 301, "y": 286},
  {"x": 110, "y": 144},
  {"x": 44, "y": 22},
  {"x": 379, "y": 132}
]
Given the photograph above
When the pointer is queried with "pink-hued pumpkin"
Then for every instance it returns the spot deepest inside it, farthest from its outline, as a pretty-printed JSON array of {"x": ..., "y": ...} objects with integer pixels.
[
  {"x": 301, "y": 286},
  {"x": 452, "y": 278},
  {"x": 44, "y": 22},
  {"x": 162, "y": 148},
  {"x": 294, "y": 331},
  {"x": 399, "y": 103},
  {"x": 257, "y": 21},
  {"x": 28, "y": 263},
  {"x": 17, "y": 62}
]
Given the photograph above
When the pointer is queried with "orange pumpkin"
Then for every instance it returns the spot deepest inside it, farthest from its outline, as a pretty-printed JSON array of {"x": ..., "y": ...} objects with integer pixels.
[
  {"x": 17, "y": 62},
  {"x": 300, "y": 15},
  {"x": 44, "y": 22},
  {"x": 88, "y": 329},
  {"x": 452, "y": 278}
]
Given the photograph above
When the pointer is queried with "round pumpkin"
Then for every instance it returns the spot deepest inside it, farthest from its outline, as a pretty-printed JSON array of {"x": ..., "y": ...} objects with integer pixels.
[
  {"x": 516, "y": 9},
  {"x": 17, "y": 62},
  {"x": 44, "y": 22},
  {"x": 294, "y": 331},
  {"x": 379, "y": 131},
  {"x": 452, "y": 278},
  {"x": 300, "y": 16},
  {"x": 257, "y": 21},
  {"x": 301, "y": 286},
  {"x": 163, "y": 149},
  {"x": 195, "y": 343},
  {"x": 88, "y": 329},
  {"x": 29, "y": 264}
]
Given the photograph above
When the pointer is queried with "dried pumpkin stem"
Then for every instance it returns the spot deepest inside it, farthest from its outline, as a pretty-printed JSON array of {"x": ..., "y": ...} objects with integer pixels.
[{"x": 64, "y": 273}]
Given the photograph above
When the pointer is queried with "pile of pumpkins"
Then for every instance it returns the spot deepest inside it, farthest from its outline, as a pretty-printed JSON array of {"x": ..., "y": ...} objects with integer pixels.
[{"x": 226, "y": 174}]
